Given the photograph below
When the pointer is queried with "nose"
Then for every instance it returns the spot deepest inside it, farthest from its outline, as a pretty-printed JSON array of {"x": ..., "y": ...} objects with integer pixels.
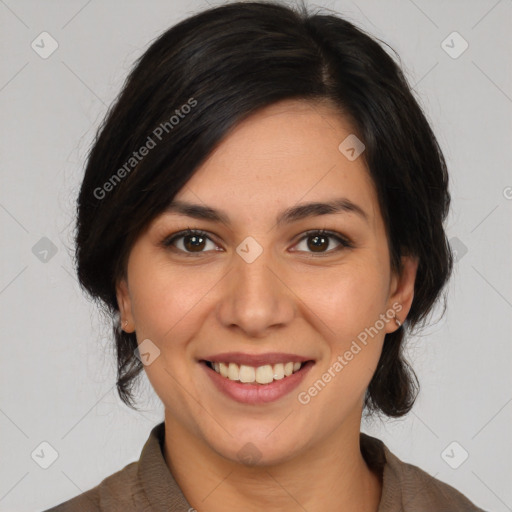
[{"x": 256, "y": 298}]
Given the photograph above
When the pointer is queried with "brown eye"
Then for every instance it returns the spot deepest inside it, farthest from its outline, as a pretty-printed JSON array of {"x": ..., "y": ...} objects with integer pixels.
[
  {"x": 194, "y": 243},
  {"x": 321, "y": 242},
  {"x": 318, "y": 243},
  {"x": 190, "y": 242}
]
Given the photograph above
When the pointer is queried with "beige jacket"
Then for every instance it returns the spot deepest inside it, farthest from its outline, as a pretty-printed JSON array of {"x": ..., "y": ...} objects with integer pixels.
[{"x": 147, "y": 485}]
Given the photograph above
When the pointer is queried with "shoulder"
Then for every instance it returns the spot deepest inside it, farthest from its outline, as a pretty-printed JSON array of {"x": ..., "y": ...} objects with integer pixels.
[
  {"x": 143, "y": 485},
  {"x": 121, "y": 491},
  {"x": 422, "y": 492},
  {"x": 140, "y": 486},
  {"x": 408, "y": 488}
]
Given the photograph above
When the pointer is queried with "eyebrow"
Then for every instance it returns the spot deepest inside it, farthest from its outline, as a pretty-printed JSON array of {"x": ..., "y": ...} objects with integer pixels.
[{"x": 292, "y": 214}]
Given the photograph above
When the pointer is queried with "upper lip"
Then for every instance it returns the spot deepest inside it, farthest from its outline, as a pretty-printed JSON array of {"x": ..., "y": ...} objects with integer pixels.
[{"x": 256, "y": 359}]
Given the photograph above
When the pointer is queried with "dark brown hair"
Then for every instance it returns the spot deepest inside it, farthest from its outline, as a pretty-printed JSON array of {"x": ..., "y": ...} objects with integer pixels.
[{"x": 210, "y": 71}]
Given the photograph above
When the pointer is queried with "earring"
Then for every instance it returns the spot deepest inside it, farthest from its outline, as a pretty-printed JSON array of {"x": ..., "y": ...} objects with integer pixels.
[{"x": 398, "y": 323}]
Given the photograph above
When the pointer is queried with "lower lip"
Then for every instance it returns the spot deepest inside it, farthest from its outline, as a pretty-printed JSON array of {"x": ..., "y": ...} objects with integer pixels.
[{"x": 257, "y": 393}]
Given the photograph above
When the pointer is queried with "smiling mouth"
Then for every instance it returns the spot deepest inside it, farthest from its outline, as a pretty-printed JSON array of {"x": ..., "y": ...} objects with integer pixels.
[{"x": 263, "y": 375}]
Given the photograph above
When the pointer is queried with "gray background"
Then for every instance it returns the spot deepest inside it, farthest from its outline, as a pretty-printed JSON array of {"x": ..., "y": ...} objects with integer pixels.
[{"x": 57, "y": 366}]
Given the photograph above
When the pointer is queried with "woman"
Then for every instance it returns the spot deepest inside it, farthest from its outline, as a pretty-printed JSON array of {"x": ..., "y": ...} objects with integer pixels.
[{"x": 262, "y": 213}]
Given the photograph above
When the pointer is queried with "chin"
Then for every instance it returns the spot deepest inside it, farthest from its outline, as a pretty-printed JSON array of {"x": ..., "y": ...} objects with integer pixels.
[{"x": 259, "y": 449}]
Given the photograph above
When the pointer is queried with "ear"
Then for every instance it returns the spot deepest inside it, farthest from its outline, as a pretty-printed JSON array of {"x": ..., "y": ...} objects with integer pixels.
[
  {"x": 125, "y": 306},
  {"x": 402, "y": 291}
]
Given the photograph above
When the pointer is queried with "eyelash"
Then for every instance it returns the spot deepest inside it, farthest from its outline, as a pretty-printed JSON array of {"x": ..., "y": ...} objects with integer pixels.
[{"x": 343, "y": 241}]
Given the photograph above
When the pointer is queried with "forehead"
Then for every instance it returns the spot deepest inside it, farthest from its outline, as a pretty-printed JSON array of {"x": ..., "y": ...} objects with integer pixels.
[{"x": 284, "y": 154}]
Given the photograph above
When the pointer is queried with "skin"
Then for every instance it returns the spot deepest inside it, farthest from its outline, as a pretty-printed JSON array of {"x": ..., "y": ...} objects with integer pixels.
[{"x": 290, "y": 299}]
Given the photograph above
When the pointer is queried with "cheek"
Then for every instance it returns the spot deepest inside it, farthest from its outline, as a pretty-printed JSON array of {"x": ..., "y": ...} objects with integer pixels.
[
  {"x": 168, "y": 305},
  {"x": 347, "y": 301},
  {"x": 166, "y": 300},
  {"x": 347, "y": 298}
]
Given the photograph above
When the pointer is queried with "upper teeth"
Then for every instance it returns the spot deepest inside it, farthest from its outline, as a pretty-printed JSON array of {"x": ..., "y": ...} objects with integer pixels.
[{"x": 262, "y": 374}]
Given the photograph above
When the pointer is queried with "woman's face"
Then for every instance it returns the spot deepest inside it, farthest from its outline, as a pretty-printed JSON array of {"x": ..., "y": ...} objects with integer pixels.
[{"x": 257, "y": 284}]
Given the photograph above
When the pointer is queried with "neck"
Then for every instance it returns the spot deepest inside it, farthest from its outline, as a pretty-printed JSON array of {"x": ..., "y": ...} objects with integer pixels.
[{"x": 212, "y": 483}]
